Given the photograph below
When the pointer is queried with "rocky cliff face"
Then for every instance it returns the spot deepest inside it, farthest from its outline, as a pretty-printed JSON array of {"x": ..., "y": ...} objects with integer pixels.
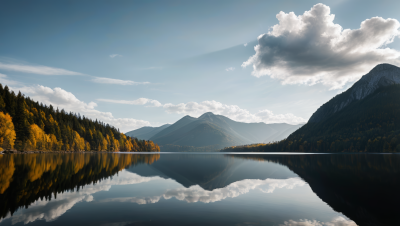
[{"x": 380, "y": 76}]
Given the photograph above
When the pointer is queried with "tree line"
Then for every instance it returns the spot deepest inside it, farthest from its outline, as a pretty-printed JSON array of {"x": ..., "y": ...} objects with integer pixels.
[{"x": 28, "y": 125}]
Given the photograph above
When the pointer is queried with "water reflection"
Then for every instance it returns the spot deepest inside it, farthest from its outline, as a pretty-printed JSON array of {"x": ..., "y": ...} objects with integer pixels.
[
  {"x": 196, "y": 193},
  {"x": 127, "y": 189},
  {"x": 338, "y": 221},
  {"x": 51, "y": 209},
  {"x": 26, "y": 178},
  {"x": 364, "y": 187}
]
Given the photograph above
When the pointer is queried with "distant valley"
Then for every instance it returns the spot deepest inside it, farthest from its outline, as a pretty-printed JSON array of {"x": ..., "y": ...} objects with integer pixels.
[{"x": 211, "y": 132}]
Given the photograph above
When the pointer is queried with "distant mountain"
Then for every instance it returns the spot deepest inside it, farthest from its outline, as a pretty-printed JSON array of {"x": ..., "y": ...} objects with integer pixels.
[
  {"x": 212, "y": 132},
  {"x": 146, "y": 132},
  {"x": 364, "y": 118}
]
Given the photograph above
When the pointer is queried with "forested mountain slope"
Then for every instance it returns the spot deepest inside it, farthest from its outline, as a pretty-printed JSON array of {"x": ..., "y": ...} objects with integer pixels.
[
  {"x": 365, "y": 118},
  {"x": 27, "y": 125}
]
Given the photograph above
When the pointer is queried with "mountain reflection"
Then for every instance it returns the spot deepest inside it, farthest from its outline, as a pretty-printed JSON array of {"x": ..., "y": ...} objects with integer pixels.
[
  {"x": 363, "y": 187},
  {"x": 24, "y": 179},
  {"x": 211, "y": 171}
]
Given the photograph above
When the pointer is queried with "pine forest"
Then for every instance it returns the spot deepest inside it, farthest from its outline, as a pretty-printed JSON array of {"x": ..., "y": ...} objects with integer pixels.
[{"x": 26, "y": 125}]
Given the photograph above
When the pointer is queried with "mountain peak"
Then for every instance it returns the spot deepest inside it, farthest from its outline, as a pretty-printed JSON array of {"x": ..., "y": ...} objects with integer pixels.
[
  {"x": 380, "y": 76},
  {"x": 383, "y": 67},
  {"x": 207, "y": 114}
]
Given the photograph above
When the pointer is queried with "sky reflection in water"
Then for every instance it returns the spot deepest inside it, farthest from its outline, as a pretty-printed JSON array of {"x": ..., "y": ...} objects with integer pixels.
[{"x": 178, "y": 189}]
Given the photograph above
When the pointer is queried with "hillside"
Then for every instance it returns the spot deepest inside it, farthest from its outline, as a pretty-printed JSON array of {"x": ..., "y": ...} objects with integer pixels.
[
  {"x": 211, "y": 132},
  {"x": 365, "y": 118},
  {"x": 145, "y": 133},
  {"x": 27, "y": 125}
]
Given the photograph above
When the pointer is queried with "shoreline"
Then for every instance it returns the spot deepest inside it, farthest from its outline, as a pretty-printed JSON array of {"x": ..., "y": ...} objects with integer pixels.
[{"x": 43, "y": 152}]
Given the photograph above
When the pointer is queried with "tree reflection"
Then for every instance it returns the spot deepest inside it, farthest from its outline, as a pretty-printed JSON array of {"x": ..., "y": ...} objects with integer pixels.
[
  {"x": 27, "y": 178},
  {"x": 364, "y": 187}
]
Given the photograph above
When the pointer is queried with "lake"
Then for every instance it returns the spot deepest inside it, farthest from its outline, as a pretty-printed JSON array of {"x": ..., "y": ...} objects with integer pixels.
[{"x": 116, "y": 189}]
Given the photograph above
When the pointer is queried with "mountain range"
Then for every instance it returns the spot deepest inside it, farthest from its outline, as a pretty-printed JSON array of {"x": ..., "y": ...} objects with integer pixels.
[
  {"x": 364, "y": 118},
  {"x": 211, "y": 132}
]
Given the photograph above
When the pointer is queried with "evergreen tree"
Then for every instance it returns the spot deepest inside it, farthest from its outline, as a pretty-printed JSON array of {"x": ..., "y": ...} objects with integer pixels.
[{"x": 21, "y": 121}]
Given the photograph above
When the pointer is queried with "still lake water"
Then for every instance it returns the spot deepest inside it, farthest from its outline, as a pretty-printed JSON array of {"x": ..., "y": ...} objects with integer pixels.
[{"x": 199, "y": 189}]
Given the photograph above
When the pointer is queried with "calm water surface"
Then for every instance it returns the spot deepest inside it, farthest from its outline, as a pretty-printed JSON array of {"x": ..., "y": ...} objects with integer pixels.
[{"x": 199, "y": 189}]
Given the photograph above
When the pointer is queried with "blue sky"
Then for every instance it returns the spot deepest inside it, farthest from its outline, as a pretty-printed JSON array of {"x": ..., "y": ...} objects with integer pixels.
[{"x": 147, "y": 63}]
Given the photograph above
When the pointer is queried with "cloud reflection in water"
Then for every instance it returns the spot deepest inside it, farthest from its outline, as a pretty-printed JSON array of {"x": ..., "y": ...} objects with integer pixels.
[
  {"x": 51, "y": 210},
  {"x": 338, "y": 221}
]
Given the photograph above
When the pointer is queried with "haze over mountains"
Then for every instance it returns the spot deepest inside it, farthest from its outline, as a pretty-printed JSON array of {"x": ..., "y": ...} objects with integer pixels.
[
  {"x": 145, "y": 133},
  {"x": 212, "y": 132}
]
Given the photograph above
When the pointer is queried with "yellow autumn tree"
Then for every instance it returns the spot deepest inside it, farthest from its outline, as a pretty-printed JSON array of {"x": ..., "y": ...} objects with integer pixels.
[
  {"x": 39, "y": 140},
  {"x": 87, "y": 146},
  {"x": 78, "y": 143},
  {"x": 7, "y": 132},
  {"x": 104, "y": 144},
  {"x": 135, "y": 146},
  {"x": 128, "y": 145},
  {"x": 116, "y": 145}
]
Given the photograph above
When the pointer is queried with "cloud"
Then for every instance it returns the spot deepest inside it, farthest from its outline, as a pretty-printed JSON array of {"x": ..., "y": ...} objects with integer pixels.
[
  {"x": 140, "y": 101},
  {"x": 44, "y": 70},
  {"x": 140, "y": 201},
  {"x": 198, "y": 194},
  {"x": 233, "y": 112},
  {"x": 41, "y": 70},
  {"x": 51, "y": 210},
  {"x": 310, "y": 48},
  {"x": 338, "y": 221},
  {"x": 67, "y": 101},
  {"x": 245, "y": 44},
  {"x": 115, "y": 55},
  {"x": 230, "y": 69},
  {"x": 5, "y": 81},
  {"x": 117, "y": 81}
]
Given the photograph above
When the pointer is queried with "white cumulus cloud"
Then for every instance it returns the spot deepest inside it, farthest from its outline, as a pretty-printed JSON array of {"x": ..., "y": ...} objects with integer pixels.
[
  {"x": 117, "y": 81},
  {"x": 67, "y": 101},
  {"x": 230, "y": 69},
  {"x": 311, "y": 48},
  {"x": 233, "y": 112}
]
